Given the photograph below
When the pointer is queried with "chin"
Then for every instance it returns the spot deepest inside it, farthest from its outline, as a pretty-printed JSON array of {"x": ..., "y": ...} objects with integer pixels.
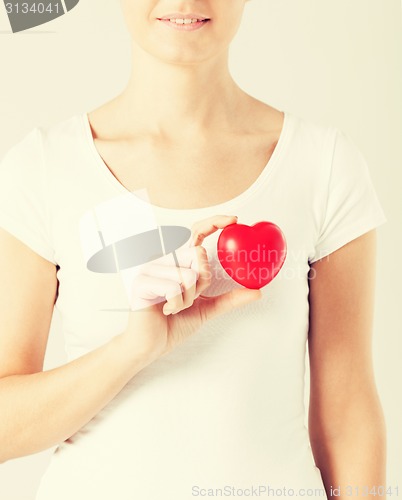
[
  {"x": 182, "y": 61},
  {"x": 181, "y": 56}
]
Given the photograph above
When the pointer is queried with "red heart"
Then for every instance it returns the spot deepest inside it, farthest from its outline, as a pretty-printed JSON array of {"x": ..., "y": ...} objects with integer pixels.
[{"x": 252, "y": 255}]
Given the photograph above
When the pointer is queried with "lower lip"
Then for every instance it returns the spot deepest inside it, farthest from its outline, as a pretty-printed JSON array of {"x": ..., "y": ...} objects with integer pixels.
[{"x": 184, "y": 27}]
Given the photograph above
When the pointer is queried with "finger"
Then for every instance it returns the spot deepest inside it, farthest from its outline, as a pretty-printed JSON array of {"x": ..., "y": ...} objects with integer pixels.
[
  {"x": 201, "y": 229},
  {"x": 196, "y": 258},
  {"x": 189, "y": 288},
  {"x": 184, "y": 276},
  {"x": 171, "y": 272},
  {"x": 150, "y": 289},
  {"x": 174, "y": 298},
  {"x": 204, "y": 270},
  {"x": 182, "y": 257}
]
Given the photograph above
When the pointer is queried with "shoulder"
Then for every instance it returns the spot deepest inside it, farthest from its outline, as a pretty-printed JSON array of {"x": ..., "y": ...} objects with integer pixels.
[
  {"x": 21, "y": 159},
  {"x": 25, "y": 145},
  {"x": 310, "y": 133},
  {"x": 335, "y": 143},
  {"x": 25, "y": 162},
  {"x": 63, "y": 131},
  {"x": 31, "y": 144},
  {"x": 44, "y": 138},
  {"x": 329, "y": 152}
]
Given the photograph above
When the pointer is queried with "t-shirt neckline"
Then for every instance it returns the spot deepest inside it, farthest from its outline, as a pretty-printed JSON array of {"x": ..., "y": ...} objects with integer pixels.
[{"x": 221, "y": 208}]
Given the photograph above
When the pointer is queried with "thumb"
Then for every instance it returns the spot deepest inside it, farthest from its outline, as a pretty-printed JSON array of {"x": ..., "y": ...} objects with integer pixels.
[{"x": 214, "y": 306}]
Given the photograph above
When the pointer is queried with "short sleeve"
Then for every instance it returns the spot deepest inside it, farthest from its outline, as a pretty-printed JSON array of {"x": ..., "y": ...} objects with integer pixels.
[
  {"x": 352, "y": 205},
  {"x": 23, "y": 195}
]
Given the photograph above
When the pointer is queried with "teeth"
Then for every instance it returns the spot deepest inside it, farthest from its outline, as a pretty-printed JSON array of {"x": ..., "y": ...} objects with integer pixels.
[{"x": 184, "y": 21}]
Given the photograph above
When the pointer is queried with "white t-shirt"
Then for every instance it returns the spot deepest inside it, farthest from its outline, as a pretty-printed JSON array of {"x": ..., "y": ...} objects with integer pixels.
[{"x": 225, "y": 409}]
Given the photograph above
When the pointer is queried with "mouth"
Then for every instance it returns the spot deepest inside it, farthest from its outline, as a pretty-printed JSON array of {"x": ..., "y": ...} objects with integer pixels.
[{"x": 186, "y": 22}]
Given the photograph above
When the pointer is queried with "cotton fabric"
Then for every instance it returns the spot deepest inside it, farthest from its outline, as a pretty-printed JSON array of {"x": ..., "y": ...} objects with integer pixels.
[{"x": 226, "y": 408}]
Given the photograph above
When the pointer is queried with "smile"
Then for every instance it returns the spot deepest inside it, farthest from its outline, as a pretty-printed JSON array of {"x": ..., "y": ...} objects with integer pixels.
[{"x": 184, "y": 22}]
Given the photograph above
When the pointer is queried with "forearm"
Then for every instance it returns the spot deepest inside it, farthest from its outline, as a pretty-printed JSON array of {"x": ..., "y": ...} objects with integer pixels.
[
  {"x": 351, "y": 455},
  {"x": 42, "y": 409}
]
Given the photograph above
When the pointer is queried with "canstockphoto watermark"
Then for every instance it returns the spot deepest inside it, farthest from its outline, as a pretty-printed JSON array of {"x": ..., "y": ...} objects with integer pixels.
[
  {"x": 266, "y": 490},
  {"x": 260, "y": 490},
  {"x": 26, "y": 14}
]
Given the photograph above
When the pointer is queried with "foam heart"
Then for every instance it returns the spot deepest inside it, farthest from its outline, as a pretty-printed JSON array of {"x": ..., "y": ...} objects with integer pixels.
[{"x": 252, "y": 255}]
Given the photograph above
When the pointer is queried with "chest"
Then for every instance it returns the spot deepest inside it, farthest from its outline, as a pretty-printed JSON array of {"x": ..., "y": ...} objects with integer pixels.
[{"x": 188, "y": 176}]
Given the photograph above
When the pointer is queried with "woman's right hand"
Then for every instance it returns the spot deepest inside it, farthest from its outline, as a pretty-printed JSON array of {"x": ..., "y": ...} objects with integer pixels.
[{"x": 166, "y": 305}]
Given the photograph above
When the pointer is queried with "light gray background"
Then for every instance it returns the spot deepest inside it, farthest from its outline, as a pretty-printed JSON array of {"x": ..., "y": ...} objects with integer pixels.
[{"x": 333, "y": 61}]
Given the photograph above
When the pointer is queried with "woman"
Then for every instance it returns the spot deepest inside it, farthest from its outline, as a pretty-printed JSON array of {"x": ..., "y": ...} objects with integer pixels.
[{"x": 179, "y": 381}]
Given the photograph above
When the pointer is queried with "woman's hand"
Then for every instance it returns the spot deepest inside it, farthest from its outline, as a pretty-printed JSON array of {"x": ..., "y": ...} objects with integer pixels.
[{"x": 166, "y": 303}]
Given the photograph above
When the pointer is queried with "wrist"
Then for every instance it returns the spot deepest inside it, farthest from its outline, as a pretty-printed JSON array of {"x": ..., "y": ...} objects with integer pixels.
[{"x": 130, "y": 352}]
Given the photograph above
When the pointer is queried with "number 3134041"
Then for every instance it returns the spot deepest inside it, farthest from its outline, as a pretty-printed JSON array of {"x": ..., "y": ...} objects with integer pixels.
[{"x": 35, "y": 8}]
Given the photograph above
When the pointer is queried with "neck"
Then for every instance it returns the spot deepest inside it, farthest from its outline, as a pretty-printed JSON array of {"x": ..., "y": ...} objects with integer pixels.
[{"x": 178, "y": 99}]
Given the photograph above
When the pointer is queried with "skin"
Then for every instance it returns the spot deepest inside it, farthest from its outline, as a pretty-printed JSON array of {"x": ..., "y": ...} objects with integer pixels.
[
  {"x": 346, "y": 421},
  {"x": 180, "y": 118},
  {"x": 185, "y": 109}
]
